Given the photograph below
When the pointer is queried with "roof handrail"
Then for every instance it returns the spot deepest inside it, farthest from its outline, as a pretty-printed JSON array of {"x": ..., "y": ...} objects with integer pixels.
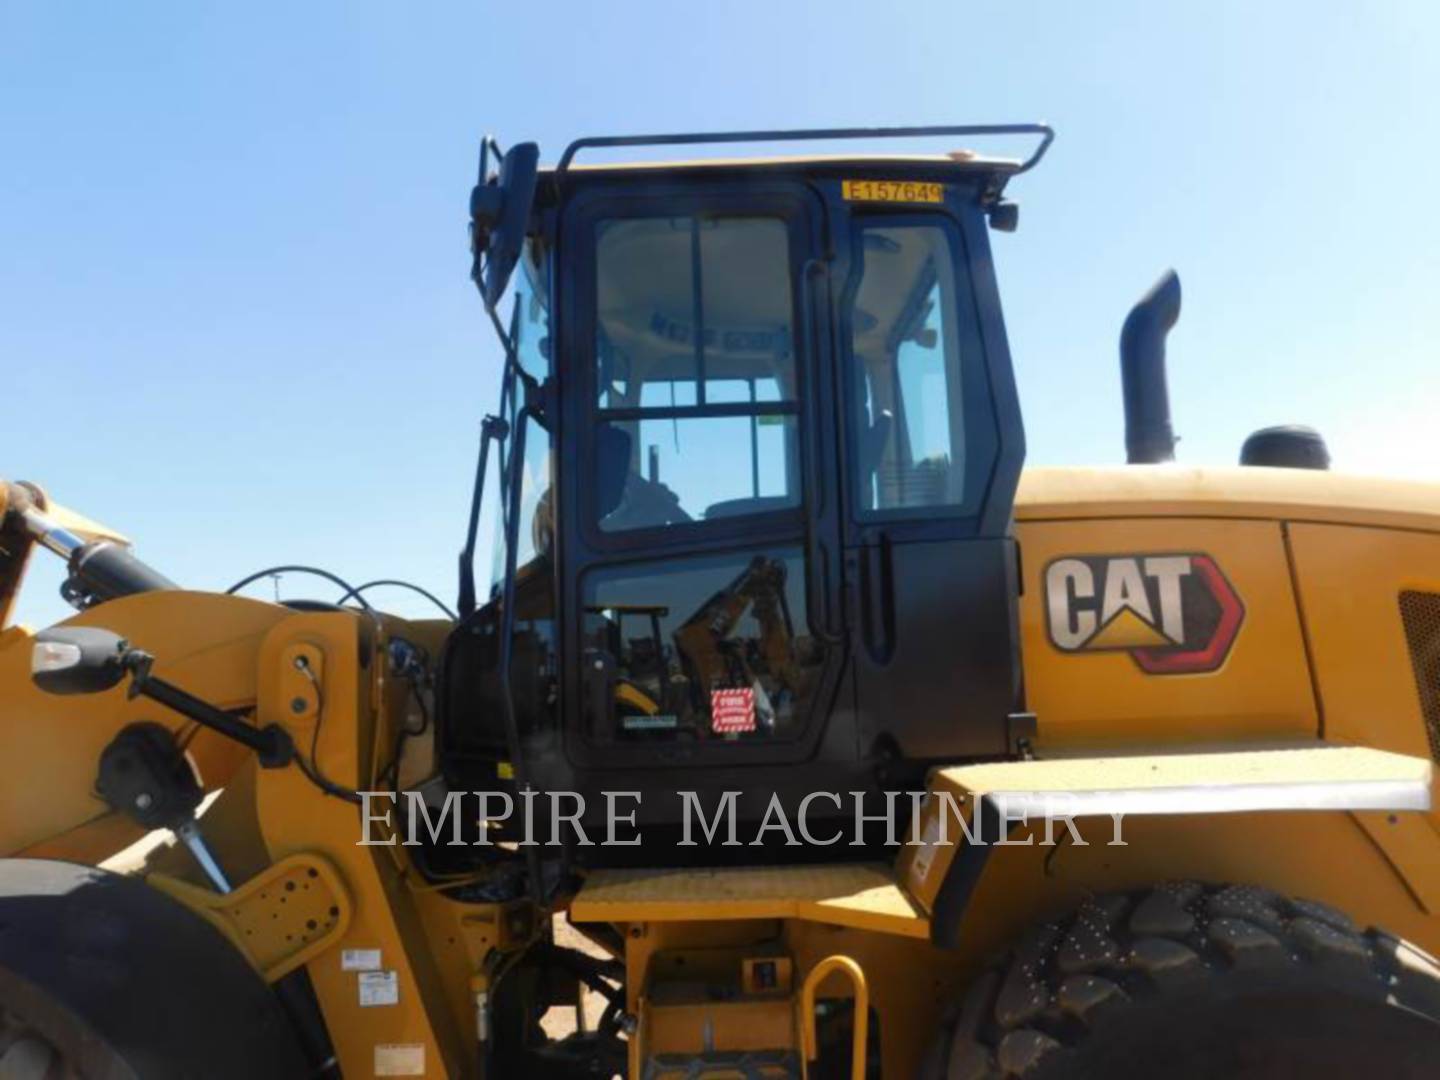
[{"x": 592, "y": 142}]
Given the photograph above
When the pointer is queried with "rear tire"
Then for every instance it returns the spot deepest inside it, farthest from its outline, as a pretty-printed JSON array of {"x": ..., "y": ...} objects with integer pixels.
[{"x": 1189, "y": 980}]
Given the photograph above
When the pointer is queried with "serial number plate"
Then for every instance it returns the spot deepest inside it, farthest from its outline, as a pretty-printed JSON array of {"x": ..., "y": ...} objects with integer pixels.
[{"x": 892, "y": 191}]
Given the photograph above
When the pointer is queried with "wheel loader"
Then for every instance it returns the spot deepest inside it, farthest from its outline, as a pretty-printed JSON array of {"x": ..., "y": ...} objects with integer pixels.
[{"x": 799, "y": 731}]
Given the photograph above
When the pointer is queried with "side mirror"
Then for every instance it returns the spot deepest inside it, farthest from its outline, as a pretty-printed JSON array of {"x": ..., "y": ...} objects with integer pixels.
[
  {"x": 78, "y": 660},
  {"x": 499, "y": 215},
  {"x": 1005, "y": 216}
]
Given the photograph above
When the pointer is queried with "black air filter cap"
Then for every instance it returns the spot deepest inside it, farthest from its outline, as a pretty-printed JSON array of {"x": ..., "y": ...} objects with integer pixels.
[{"x": 1289, "y": 446}]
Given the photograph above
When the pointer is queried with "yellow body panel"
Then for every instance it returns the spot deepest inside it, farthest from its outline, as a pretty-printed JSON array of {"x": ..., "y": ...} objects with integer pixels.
[
  {"x": 1324, "y": 780},
  {"x": 1146, "y": 491},
  {"x": 1263, "y": 691},
  {"x": 1350, "y": 581}
]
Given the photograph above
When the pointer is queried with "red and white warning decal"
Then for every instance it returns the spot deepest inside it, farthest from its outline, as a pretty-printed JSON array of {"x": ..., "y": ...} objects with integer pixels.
[
  {"x": 732, "y": 710},
  {"x": 1173, "y": 614}
]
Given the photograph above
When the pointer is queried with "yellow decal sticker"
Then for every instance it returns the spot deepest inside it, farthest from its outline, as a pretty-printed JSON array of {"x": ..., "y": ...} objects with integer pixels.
[{"x": 892, "y": 191}]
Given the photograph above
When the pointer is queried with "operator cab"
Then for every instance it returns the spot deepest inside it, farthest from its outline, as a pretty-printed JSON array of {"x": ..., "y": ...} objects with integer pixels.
[{"x": 760, "y": 435}]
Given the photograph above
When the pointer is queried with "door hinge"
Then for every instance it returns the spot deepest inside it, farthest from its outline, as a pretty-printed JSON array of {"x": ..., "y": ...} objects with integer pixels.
[{"x": 1020, "y": 731}]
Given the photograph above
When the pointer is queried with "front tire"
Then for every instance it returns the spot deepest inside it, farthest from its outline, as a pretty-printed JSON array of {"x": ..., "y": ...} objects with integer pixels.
[
  {"x": 106, "y": 978},
  {"x": 1189, "y": 980}
]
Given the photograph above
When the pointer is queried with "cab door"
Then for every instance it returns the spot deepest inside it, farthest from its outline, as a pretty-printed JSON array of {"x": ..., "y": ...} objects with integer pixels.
[
  {"x": 692, "y": 480},
  {"x": 933, "y": 445}
]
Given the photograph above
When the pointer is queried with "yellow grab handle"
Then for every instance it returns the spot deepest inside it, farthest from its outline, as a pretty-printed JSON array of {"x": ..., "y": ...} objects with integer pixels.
[{"x": 810, "y": 1043}]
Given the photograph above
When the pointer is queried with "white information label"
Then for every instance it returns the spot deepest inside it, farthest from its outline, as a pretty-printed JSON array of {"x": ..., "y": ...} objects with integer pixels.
[
  {"x": 359, "y": 959},
  {"x": 400, "y": 1059},
  {"x": 379, "y": 988},
  {"x": 929, "y": 845}
]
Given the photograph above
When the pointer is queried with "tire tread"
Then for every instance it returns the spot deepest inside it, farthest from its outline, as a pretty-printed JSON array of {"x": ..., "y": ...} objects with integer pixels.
[{"x": 1045, "y": 993}]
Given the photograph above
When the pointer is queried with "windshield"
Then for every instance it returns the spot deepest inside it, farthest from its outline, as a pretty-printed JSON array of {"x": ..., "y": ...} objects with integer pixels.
[{"x": 530, "y": 332}]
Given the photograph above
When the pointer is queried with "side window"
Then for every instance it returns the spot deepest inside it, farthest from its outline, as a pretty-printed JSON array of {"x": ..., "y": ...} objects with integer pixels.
[
  {"x": 706, "y": 648},
  {"x": 695, "y": 365},
  {"x": 530, "y": 329},
  {"x": 908, "y": 376}
]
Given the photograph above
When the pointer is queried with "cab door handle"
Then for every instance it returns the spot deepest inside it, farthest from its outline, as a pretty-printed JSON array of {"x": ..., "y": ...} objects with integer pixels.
[{"x": 877, "y": 598}]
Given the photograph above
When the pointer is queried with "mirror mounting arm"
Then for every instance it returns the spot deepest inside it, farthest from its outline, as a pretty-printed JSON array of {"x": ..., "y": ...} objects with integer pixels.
[{"x": 272, "y": 743}]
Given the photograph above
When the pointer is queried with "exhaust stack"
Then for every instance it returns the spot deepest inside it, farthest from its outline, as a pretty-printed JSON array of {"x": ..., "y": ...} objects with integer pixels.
[{"x": 1149, "y": 438}]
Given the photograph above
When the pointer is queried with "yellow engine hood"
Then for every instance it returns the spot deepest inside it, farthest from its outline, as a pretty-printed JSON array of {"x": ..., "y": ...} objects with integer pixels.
[{"x": 1130, "y": 491}]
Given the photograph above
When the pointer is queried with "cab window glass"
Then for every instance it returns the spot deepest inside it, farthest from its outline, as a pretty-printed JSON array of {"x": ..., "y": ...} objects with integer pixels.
[
  {"x": 704, "y": 649},
  {"x": 530, "y": 330},
  {"x": 910, "y": 431},
  {"x": 696, "y": 374}
]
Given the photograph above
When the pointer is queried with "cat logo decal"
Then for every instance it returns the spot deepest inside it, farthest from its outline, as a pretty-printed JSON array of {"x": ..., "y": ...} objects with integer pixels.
[{"x": 1174, "y": 614}]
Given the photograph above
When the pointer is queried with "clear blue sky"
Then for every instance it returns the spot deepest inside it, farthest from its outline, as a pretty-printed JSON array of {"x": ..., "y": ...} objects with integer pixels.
[{"x": 234, "y": 315}]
